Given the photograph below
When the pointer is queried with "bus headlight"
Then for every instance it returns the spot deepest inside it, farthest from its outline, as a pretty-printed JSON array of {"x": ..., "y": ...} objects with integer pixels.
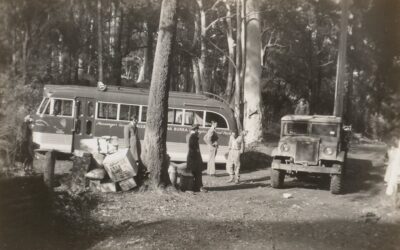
[
  {"x": 328, "y": 150},
  {"x": 285, "y": 147}
]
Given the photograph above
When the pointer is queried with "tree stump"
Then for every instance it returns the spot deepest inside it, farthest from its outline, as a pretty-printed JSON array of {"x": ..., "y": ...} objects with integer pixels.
[
  {"x": 48, "y": 175},
  {"x": 81, "y": 165}
]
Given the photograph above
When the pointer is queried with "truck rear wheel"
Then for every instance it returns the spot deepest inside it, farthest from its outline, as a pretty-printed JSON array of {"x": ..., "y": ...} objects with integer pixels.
[
  {"x": 336, "y": 186},
  {"x": 277, "y": 176}
]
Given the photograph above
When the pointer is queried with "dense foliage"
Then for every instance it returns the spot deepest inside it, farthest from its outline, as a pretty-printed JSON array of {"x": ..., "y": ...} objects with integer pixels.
[{"x": 55, "y": 41}]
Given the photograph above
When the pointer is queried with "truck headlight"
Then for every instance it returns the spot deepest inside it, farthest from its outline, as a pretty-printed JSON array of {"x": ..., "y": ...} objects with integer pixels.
[
  {"x": 328, "y": 150},
  {"x": 285, "y": 147}
]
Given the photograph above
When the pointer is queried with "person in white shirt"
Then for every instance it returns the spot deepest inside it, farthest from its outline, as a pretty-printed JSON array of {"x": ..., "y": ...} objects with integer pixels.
[{"x": 236, "y": 148}]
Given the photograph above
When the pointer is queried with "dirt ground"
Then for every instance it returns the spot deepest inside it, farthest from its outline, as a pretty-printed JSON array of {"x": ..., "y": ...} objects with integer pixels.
[{"x": 249, "y": 215}]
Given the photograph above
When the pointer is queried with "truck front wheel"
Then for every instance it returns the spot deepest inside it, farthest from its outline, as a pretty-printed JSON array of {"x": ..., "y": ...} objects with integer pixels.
[
  {"x": 336, "y": 186},
  {"x": 277, "y": 176}
]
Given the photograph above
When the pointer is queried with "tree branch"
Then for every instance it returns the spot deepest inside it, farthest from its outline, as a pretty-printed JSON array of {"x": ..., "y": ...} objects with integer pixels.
[{"x": 223, "y": 52}]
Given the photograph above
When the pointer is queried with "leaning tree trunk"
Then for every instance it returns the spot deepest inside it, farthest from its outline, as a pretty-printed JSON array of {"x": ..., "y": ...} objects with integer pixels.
[
  {"x": 252, "y": 90},
  {"x": 154, "y": 148}
]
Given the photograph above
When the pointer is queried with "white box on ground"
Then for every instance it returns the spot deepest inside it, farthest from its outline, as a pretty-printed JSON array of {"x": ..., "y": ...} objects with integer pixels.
[
  {"x": 127, "y": 184},
  {"x": 120, "y": 165}
]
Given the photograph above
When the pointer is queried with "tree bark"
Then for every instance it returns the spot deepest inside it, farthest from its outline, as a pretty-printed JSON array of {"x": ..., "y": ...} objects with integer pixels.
[
  {"x": 148, "y": 53},
  {"x": 196, "y": 75},
  {"x": 238, "y": 87},
  {"x": 154, "y": 147},
  {"x": 203, "y": 49},
  {"x": 231, "y": 50},
  {"x": 100, "y": 41},
  {"x": 341, "y": 61},
  {"x": 117, "y": 69},
  {"x": 25, "y": 54},
  {"x": 252, "y": 90}
]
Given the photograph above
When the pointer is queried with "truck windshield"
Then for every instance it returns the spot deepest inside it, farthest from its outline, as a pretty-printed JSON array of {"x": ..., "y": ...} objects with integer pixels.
[
  {"x": 324, "y": 129},
  {"x": 296, "y": 128}
]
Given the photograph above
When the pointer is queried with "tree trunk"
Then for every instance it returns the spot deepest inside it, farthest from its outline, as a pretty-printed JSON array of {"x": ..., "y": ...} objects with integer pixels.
[
  {"x": 148, "y": 53},
  {"x": 231, "y": 50},
  {"x": 154, "y": 148},
  {"x": 100, "y": 42},
  {"x": 117, "y": 69},
  {"x": 341, "y": 61},
  {"x": 238, "y": 88},
  {"x": 25, "y": 54},
  {"x": 252, "y": 90},
  {"x": 203, "y": 49},
  {"x": 196, "y": 76}
]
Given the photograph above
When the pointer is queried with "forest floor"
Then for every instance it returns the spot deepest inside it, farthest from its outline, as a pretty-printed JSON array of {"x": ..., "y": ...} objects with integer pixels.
[{"x": 249, "y": 215}]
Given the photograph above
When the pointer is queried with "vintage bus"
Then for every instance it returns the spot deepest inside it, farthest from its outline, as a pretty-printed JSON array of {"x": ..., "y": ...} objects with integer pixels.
[{"x": 71, "y": 119}]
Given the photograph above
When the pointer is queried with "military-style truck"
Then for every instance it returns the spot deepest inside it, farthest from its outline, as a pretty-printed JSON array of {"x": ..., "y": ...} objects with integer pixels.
[{"x": 310, "y": 144}]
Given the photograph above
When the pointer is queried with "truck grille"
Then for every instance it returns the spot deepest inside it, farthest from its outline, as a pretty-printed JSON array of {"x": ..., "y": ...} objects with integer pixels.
[{"x": 306, "y": 152}]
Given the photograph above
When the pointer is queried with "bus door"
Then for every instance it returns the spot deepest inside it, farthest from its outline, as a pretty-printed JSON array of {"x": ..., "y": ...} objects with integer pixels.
[{"x": 84, "y": 122}]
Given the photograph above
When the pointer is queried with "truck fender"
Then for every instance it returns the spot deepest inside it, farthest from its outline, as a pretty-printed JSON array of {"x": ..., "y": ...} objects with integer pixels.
[
  {"x": 340, "y": 156},
  {"x": 275, "y": 152}
]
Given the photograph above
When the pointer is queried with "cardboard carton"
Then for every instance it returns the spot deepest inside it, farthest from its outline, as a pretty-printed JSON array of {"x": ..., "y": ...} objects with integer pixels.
[
  {"x": 120, "y": 165},
  {"x": 127, "y": 184}
]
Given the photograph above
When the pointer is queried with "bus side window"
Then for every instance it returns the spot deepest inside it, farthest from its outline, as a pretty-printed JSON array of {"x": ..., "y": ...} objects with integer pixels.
[
  {"x": 175, "y": 116},
  {"x": 90, "y": 109},
  {"x": 66, "y": 108},
  {"x": 193, "y": 117},
  {"x": 57, "y": 107},
  {"x": 107, "y": 111},
  {"x": 144, "y": 114},
  {"x": 62, "y": 107},
  {"x": 127, "y": 112},
  {"x": 221, "y": 121}
]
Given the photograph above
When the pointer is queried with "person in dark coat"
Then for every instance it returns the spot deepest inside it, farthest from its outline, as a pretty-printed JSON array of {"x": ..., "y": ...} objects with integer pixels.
[
  {"x": 302, "y": 108},
  {"x": 27, "y": 152},
  {"x": 132, "y": 140},
  {"x": 211, "y": 139},
  {"x": 194, "y": 160}
]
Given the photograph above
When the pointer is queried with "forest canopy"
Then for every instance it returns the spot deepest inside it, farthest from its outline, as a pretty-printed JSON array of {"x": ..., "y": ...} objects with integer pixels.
[{"x": 56, "y": 42}]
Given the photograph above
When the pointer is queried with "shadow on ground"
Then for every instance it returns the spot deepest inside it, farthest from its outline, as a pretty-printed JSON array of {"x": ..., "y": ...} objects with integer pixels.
[
  {"x": 207, "y": 234},
  {"x": 242, "y": 185}
]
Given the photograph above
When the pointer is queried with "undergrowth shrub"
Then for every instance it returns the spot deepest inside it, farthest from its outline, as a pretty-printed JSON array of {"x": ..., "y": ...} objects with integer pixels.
[{"x": 16, "y": 101}]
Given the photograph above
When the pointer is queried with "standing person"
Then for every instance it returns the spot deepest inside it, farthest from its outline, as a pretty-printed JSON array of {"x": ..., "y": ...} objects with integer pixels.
[
  {"x": 302, "y": 108},
  {"x": 211, "y": 139},
  {"x": 194, "y": 160},
  {"x": 27, "y": 152},
  {"x": 236, "y": 148},
  {"x": 131, "y": 138}
]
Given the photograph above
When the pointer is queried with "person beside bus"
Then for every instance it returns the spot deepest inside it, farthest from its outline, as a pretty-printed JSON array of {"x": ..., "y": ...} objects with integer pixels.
[
  {"x": 236, "y": 148},
  {"x": 131, "y": 138},
  {"x": 194, "y": 160},
  {"x": 211, "y": 139},
  {"x": 27, "y": 151}
]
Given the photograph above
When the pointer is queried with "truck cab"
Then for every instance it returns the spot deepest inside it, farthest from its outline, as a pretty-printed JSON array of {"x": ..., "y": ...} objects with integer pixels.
[{"x": 310, "y": 145}]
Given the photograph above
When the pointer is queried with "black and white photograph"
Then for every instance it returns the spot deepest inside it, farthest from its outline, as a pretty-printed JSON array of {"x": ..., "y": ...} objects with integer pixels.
[{"x": 200, "y": 124}]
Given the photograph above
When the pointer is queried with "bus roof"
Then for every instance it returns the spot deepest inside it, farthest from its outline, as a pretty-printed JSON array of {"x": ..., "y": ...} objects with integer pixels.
[
  {"x": 312, "y": 118},
  {"x": 136, "y": 96}
]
